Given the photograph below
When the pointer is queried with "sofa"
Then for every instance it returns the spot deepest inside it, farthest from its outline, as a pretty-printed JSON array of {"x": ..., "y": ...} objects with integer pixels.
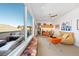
[
  {"x": 62, "y": 37},
  {"x": 67, "y": 37}
]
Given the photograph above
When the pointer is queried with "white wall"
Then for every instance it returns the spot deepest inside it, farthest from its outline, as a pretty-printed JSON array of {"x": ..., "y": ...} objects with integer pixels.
[{"x": 72, "y": 17}]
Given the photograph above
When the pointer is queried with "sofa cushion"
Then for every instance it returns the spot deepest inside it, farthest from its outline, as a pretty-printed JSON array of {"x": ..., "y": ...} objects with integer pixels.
[{"x": 67, "y": 37}]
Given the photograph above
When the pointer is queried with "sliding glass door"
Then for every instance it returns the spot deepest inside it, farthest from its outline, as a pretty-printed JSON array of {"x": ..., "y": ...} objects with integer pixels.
[{"x": 11, "y": 26}]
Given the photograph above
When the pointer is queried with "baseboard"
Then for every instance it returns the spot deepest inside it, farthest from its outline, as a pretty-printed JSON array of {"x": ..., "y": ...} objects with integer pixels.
[{"x": 76, "y": 44}]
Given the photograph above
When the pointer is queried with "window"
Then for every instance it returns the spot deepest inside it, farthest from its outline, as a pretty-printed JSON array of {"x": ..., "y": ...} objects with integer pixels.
[
  {"x": 11, "y": 27},
  {"x": 29, "y": 24}
]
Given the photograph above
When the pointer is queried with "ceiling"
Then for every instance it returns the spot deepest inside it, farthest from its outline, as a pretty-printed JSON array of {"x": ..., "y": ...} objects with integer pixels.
[{"x": 40, "y": 11}]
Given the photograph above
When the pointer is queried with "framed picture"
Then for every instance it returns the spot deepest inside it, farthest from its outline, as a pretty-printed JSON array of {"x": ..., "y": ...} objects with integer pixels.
[{"x": 77, "y": 24}]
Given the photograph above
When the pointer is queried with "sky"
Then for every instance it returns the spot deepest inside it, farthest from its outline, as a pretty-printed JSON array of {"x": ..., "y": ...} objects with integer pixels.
[
  {"x": 12, "y": 14},
  {"x": 29, "y": 19}
]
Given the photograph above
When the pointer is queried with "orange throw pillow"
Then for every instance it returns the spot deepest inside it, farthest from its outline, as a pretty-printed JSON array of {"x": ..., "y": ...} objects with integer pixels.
[{"x": 56, "y": 40}]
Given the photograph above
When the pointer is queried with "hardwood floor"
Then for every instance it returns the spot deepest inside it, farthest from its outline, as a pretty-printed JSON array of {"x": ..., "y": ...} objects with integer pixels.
[{"x": 47, "y": 49}]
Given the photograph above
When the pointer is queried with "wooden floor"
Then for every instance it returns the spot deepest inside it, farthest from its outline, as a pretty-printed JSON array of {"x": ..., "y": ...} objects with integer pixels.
[{"x": 46, "y": 49}]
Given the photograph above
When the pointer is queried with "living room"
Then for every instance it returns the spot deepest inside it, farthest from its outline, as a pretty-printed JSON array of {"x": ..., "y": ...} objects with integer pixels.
[{"x": 56, "y": 26}]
